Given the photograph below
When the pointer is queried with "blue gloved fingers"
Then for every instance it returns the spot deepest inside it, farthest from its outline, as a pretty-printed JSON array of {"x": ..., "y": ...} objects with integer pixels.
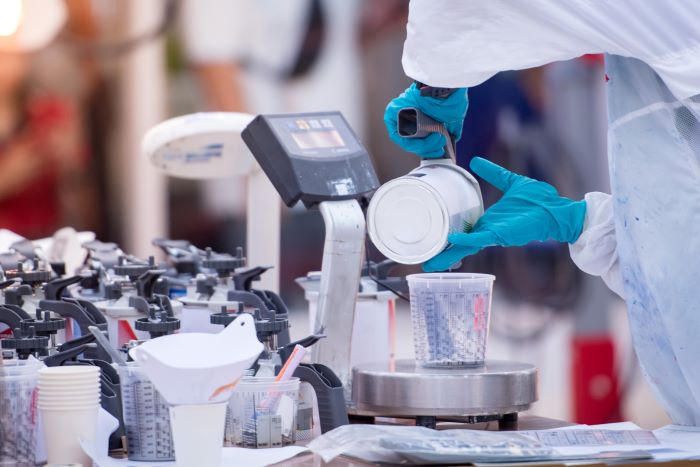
[
  {"x": 448, "y": 258},
  {"x": 432, "y": 146},
  {"x": 476, "y": 240},
  {"x": 450, "y": 111},
  {"x": 454, "y": 107},
  {"x": 493, "y": 173}
]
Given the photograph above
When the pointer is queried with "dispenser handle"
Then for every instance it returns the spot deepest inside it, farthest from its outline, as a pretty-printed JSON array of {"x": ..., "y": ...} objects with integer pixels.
[
  {"x": 329, "y": 394},
  {"x": 58, "y": 359},
  {"x": 12, "y": 317},
  {"x": 54, "y": 289},
  {"x": 412, "y": 123}
]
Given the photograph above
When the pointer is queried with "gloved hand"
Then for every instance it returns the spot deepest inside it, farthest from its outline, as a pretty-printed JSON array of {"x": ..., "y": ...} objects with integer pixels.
[
  {"x": 529, "y": 210},
  {"x": 450, "y": 111}
]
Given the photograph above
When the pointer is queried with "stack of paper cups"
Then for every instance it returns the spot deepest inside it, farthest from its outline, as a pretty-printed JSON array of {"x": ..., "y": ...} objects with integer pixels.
[{"x": 69, "y": 400}]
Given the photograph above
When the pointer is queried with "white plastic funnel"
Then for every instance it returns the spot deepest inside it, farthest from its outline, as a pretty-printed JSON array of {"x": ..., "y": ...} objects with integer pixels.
[{"x": 197, "y": 368}]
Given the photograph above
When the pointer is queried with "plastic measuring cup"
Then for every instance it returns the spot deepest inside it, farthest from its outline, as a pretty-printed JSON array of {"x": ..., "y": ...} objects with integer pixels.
[
  {"x": 262, "y": 413},
  {"x": 450, "y": 315},
  {"x": 18, "y": 413},
  {"x": 146, "y": 417}
]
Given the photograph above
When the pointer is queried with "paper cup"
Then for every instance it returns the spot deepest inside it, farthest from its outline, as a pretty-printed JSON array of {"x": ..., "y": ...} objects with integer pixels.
[
  {"x": 88, "y": 402},
  {"x": 69, "y": 385},
  {"x": 69, "y": 376},
  {"x": 198, "y": 434},
  {"x": 75, "y": 385},
  {"x": 63, "y": 430},
  {"x": 68, "y": 397},
  {"x": 67, "y": 407},
  {"x": 68, "y": 392},
  {"x": 92, "y": 386},
  {"x": 69, "y": 370},
  {"x": 77, "y": 379},
  {"x": 71, "y": 392},
  {"x": 95, "y": 398}
]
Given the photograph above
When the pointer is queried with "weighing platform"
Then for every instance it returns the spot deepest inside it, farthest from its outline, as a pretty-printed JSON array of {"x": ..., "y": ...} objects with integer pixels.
[{"x": 496, "y": 391}]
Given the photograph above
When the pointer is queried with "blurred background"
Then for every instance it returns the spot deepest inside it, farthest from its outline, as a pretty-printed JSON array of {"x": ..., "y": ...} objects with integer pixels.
[{"x": 81, "y": 81}]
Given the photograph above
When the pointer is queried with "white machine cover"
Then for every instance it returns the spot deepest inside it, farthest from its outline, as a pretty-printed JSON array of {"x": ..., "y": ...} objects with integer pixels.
[{"x": 644, "y": 240}]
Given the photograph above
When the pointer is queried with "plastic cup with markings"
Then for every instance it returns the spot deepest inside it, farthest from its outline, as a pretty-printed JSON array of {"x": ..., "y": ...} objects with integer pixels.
[
  {"x": 263, "y": 413},
  {"x": 146, "y": 417},
  {"x": 450, "y": 315},
  {"x": 18, "y": 415}
]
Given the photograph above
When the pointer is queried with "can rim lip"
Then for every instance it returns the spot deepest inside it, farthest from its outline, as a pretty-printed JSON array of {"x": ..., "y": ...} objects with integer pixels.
[{"x": 386, "y": 250}]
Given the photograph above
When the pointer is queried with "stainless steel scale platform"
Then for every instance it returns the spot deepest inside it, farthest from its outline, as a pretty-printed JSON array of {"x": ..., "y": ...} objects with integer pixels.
[{"x": 496, "y": 391}]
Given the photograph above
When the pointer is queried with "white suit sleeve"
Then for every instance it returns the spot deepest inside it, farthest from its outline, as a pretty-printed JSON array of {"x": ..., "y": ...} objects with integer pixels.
[
  {"x": 595, "y": 251},
  {"x": 463, "y": 43}
]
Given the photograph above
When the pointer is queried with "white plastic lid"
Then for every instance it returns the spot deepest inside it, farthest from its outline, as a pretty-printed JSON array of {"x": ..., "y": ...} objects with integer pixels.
[{"x": 408, "y": 221}]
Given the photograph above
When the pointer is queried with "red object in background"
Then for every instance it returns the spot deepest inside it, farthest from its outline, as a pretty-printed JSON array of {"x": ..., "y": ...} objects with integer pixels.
[
  {"x": 34, "y": 210},
  {"x": 593, "y": 59},
  {"x": 596, "y": 391},
  {"x": 125, "y": 334}
]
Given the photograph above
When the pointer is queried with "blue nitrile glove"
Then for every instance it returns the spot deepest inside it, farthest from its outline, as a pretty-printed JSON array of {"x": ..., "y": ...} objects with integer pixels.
[
  {"x": 450, "y": 111},
  {"x": 529, "y": 210}
]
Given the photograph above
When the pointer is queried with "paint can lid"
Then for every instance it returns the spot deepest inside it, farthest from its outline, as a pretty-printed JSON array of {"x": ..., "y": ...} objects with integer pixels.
[{"x": 407, "y": 221}]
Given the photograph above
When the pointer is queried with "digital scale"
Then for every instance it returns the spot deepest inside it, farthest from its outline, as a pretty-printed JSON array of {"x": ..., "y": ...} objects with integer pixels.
[{"x": 316, "y": 159}]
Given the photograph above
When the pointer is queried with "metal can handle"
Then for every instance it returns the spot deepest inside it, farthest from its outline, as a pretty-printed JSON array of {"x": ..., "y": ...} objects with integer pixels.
[{"x": 412, "y": 123}]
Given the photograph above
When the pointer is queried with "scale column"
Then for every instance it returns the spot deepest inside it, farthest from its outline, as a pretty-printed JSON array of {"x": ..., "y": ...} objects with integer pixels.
[{"x": 340, "y": 280}]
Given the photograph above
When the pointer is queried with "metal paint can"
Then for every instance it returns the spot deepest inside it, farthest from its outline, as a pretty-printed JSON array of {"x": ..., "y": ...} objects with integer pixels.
[{"x": 410, "y": 218}]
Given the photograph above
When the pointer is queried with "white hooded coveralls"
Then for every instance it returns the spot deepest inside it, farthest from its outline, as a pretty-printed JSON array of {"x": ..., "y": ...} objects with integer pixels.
[{"x": 644, "y": 238}]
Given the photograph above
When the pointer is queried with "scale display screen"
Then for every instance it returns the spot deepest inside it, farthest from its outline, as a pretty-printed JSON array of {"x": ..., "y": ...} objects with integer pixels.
[
  {"x": 311, "y": 157},
  {"x": 314, "y": 136},
  {"x": 318, "y": 139}
]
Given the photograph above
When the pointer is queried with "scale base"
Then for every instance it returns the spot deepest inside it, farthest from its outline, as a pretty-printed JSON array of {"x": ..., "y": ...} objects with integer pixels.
[{"x": 496, "y": 391}]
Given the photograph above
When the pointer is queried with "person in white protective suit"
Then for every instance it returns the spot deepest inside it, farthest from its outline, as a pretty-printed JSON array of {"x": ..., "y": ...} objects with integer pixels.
[{"x": 643, "y": 239}]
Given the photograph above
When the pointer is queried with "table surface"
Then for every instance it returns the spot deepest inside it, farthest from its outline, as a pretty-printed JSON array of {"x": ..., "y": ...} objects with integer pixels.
[{"x": 525, "y": 422}]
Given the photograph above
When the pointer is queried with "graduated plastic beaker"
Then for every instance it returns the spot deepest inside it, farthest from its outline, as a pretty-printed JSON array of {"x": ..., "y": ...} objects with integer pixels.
[
  {"x": 262, "y": 413},
  {"x": 18, "y": 412},
  {"x": 146, "y": 417},
  {"x": 450, "y": 316}
]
